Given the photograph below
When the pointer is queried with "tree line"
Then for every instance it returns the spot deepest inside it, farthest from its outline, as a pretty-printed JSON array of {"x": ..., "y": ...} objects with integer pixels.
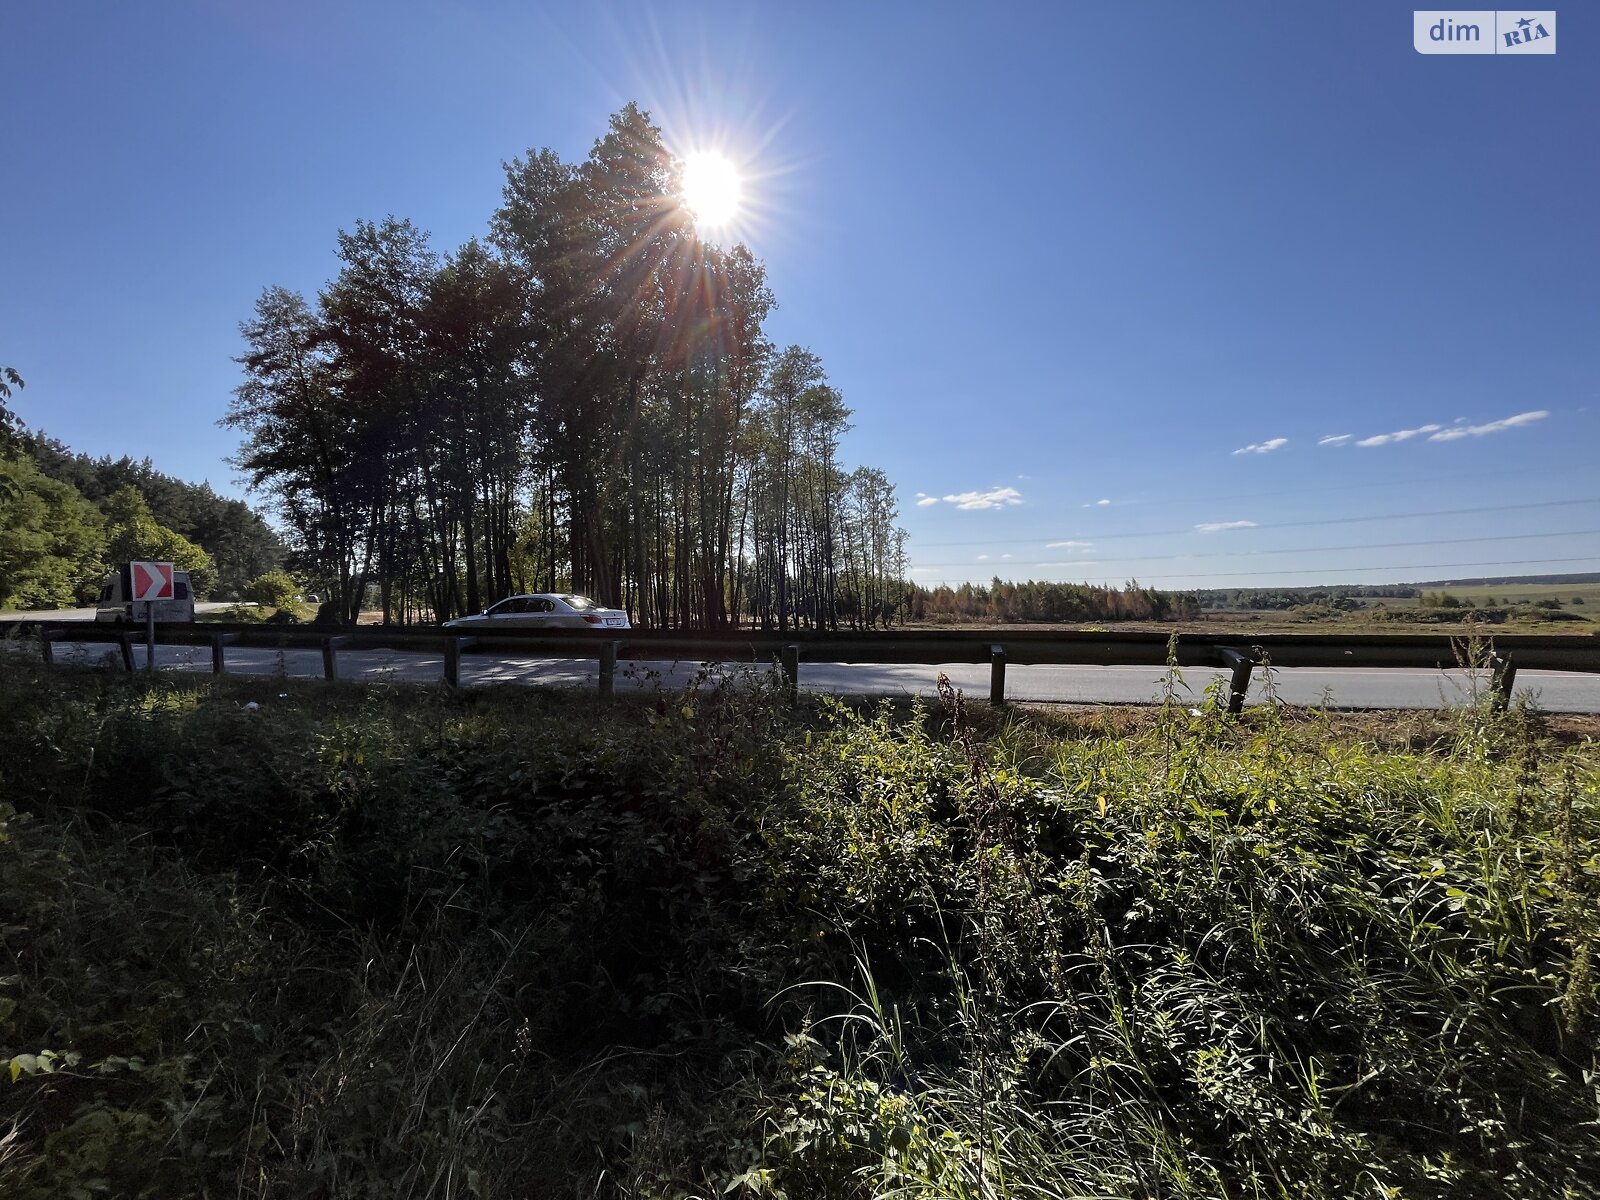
[
  {"x": 1347, "y": 597},
  {"x": 66, "y": 520},
  {"x": 585, "y": 401},
  {"x": 1005, "y": 602}
]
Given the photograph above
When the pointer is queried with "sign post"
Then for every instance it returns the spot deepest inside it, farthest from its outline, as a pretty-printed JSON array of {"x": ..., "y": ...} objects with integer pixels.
[{"x": 149, "y": 582}]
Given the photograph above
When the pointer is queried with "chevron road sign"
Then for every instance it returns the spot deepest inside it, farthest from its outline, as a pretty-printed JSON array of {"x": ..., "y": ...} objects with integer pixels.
[{"x": 151, "y": 580}]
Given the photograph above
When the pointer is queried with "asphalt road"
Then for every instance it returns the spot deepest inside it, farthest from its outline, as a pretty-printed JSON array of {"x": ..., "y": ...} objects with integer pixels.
[
  {"x": 87, "y": 614},
  {"x": 1555, "y": 691}
]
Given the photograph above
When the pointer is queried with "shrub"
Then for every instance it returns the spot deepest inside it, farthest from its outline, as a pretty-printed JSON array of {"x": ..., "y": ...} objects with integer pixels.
[
  {"x": 357, "y": 941},
  {"x": 273, "y": 589}
]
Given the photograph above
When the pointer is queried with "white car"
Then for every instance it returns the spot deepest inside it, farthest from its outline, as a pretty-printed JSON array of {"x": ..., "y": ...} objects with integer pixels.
[{"x": 547, "y": 610}]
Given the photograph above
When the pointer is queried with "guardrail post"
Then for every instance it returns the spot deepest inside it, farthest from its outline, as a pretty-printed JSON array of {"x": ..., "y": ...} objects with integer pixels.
[
  {"x": 452, "y": 661},
  {"x": 328, "y": 664},
  {"x": 1505, "y": 678},
  {"x": 125, "y": 639},
  {"x": 217, "y": 643},
  {"x": 608, "y": 669},
  {"x": 1242, "y": 666},
  {"x": 789, "y": 660},
  {"x": 47, "y": 647},
  {"x": 997, "y": 675}
]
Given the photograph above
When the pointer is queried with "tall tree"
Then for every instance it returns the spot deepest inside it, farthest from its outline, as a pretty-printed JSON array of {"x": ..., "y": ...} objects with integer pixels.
[
  {"x": 301, "y": 442},
  {"x": 9, "y": 381},
  {"x": 373, "y": 316},
  {"x": 475, "y": 334}
]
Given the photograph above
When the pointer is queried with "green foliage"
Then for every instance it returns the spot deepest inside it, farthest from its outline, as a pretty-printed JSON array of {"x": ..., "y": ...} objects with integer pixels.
[
  {"x": 240, "y": 543},
  {"x": 273, "y": 589},
  {"x": 373, "y": 942},
  {"x": 134, "y": 535},
  {"x": 9, "y": 381},
  {"x": 1003, "y": 602},
  {"x": 54, "y": 549},
  {"x": 51, "y": 540}
]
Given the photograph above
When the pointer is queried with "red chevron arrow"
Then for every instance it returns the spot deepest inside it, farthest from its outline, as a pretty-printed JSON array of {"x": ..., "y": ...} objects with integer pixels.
[{"x": 152, "y": 581}]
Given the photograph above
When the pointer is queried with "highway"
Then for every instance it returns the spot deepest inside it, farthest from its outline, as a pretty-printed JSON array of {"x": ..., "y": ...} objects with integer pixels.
[
  {"x": 87, "y": 614},
  {"x": 1350, "y": 687}
]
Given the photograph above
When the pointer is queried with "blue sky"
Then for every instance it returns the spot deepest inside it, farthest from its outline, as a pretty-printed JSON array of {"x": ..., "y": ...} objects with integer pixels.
[{"x": 1052, "y": 255}]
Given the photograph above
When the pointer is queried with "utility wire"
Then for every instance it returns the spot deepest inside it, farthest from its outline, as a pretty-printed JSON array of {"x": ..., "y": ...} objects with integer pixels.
[
  {"x": 1442, "y": 512},
  {"x": 1367, "y": 486},
  {"x": 1089, "y": 562},
  {"x": 1520, "y": 562}
]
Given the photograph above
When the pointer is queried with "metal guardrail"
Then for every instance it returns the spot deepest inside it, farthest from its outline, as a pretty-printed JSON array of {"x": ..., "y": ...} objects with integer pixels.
[{"x": 1502, "y": 655}]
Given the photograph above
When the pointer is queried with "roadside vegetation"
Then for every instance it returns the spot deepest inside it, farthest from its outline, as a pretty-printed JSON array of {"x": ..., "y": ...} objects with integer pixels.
[
  {"x": 1532, "y": 604},
  {"x": 1561, "y": 604},
  {"x": 263, "y": 938}
]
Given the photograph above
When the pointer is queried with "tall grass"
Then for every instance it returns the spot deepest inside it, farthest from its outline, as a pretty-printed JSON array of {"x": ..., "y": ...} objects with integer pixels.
[{"x": 409, "y": 943}]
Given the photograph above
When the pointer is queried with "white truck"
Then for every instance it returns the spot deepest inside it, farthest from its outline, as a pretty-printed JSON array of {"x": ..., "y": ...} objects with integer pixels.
[{"x": 115, "y": 605}]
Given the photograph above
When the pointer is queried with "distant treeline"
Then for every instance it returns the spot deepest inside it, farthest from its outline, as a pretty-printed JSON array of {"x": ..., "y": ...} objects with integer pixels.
[
  {"x": 1280, "y": 599},
  {"x": 1003, "y": 602},
  {"x": 66, "y": 519},
  {"x": 587, "y": 401}
]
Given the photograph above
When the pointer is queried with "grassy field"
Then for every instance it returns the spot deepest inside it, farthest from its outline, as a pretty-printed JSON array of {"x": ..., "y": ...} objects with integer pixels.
[
  {"x": 263, "y": 938},
  {"x": 1374, "y": 621},
  {"x": 1524, "y": 607},
  {"x": 1576, "y": 596}
]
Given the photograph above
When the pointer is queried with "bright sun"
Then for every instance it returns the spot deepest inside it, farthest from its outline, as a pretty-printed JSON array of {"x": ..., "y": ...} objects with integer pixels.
[{"x": 711, "y": 188}]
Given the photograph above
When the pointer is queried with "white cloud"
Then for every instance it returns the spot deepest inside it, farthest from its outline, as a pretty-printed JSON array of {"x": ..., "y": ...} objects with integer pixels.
[
  {"x": 924, "y": 501},
  {"x": 1266, "y": 447},
  {"x": 993, "y": 498},
  {"x": 1069, "y": 545},
  {"x": 983, "y": 558},
  {"x": 1220, "y": 526},
  {"x": 1098, "y": 504},
  {"x": 1005, "y": 556},
  {"x": 1462, "y": 431},
  {"x": 1399, "y": 435},
  {"x": 1337, "y": 439}
]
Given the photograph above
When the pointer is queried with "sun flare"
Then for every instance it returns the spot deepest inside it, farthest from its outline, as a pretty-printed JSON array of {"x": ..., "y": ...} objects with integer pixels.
[{"x": 712, "y": 188}]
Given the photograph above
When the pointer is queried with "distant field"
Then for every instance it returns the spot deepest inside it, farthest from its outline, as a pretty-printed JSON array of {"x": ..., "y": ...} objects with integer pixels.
[
  {"x": 1244, "y": 623},
  {"x": 1569, "y": 594}
]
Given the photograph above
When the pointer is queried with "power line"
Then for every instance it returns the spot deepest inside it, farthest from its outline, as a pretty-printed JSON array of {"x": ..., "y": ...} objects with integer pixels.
[
  {"x": 1443, "y": 512},
  {"x": 1366, "y": 486},
  {"x": 1088, "y": 562},
  {"x": 1520, "y": 562}
]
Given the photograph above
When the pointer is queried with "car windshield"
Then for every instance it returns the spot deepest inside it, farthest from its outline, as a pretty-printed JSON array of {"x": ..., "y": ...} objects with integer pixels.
[{"x": 580, "y": 602}]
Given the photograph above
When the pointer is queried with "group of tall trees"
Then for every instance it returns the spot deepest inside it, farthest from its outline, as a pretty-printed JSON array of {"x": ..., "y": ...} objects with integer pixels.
[{"x": 585, "y": 401}]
